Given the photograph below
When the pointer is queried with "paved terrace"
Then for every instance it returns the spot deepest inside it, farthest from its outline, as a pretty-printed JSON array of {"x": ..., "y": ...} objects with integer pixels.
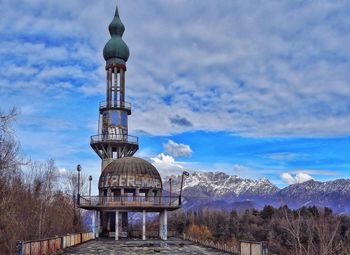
[{"x": 139, "y": 247}]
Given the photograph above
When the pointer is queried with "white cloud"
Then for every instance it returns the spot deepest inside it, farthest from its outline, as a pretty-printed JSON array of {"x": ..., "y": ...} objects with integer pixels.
[
  {"x": 288, "y": 178},
  {"x": 299, "y": 177},
  {"x": 177, "y": 149},
  {"x": 167, "y": 165},
  {"x": 260, "y": 74},
  {"x": 271, "y": 69}
]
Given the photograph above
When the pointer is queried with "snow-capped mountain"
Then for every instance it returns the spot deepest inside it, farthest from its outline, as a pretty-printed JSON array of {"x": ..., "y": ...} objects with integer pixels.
[
  {"x": 219, "y": 184},
  {"x": 220, "y": 190},
  {"x": 334, "y": 194}
]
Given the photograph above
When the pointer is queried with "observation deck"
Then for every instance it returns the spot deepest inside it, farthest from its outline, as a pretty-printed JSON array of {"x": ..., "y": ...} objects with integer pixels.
[
  {"x": 115, "y": 105},
  {"x": 128, "y": 144},
  {"x": 130, "y": 203}
]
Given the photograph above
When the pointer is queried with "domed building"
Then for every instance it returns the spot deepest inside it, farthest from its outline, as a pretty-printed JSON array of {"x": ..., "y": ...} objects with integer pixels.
[
  {"x": 127, "y": 184},
  {"x": 130, "y": 176}
]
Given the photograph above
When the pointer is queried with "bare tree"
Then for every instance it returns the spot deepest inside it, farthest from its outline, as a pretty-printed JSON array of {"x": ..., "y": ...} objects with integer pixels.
[
  {"x": 70, "y": 182},
  {"x": 32, "y": 203},
  {"x": 293, "y": 225},
  {"x": 312, "y": 234},
  {"x": 9, "y": 147},
  {"x": 9, "y": 164},
  {"x": 326, "y": 230},
  {"x": 45, "y": 176}
]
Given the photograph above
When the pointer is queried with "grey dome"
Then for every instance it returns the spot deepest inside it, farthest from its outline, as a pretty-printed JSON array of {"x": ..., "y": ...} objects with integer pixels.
[{"x": 130, "y": 172}]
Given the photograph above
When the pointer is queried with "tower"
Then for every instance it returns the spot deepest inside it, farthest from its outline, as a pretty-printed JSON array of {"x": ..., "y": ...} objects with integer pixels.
[
  {"x": 127, "y": 183},
  {"x": 112, "y": 140}
]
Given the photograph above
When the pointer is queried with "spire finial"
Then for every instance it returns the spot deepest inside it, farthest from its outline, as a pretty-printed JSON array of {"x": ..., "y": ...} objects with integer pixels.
[
  {"x": 116, "y": 27},
  {"x": 116, "y": 12},
  {"x": 116, "y": 48}
]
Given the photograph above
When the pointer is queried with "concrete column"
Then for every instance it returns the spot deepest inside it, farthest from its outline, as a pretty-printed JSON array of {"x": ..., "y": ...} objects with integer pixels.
[
  {"x": 163, "y": 225},
  {"x": 149, "y": 196},
  {"x": 160, "y": 225},
  {"x": 116, "y": 225},
  {"x": 110, "y": 85},
  {"x": 125, "y": 222},
  {"x": 136, "y": 194},
  {"x": 115, "y": 85},
  {"x": 93, "y": 223},
  {"x": 108, "y": 222},
  {"x": 122, "y": 195},
  {"x": 109, "y": 150},
  {"x": 109, "y": 194},
  {"x": 98, "y": 222},
  {"x": 107, "y": 86},
  {"x": 144, "y": 225},
  {"x": 122, "y": 85}
]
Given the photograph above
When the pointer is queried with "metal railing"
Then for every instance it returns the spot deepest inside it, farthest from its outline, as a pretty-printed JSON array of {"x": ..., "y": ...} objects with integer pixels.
[
  {"x": 115, "y": 104},
  {"x": 130, "y": 201},
  {"x": 52, "y": 245},
  {"x": 114, "y": 138},
  {"x": 232, "y": 249},
  {"x": 240, "y": 248}
]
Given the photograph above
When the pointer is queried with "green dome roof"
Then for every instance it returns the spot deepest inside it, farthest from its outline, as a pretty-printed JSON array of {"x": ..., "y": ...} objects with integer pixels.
[{"x": 116, "y": 49}]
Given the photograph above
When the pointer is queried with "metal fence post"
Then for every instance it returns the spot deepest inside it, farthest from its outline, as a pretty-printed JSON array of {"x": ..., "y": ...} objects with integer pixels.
[{"x": 19, "y": 247}]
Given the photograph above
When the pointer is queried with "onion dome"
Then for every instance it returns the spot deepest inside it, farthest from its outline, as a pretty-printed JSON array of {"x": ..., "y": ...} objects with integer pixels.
[
  {"x": 116, "y": 51},
  {"x": 128, "y": 172}
]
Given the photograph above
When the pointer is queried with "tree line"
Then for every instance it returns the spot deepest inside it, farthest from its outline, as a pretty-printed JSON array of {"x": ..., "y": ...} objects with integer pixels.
[
  {"x": 35, "y": 198},
  {"x": 305, "y": 231}
]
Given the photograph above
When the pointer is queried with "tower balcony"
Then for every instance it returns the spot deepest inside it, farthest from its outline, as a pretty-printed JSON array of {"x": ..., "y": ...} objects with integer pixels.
[
  {"x": 123, "y": 145},
  {"x": 114, "y": 138},
  {"x": 154, "y": 203},
  {"x": 115, "y": 105}
]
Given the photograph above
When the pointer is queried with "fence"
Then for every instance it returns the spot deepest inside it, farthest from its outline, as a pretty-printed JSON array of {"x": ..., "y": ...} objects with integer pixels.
[
  {"x": 246, "y": 247},
  {"x": 211, "y": 244},
  {"x": 51, "y": 245}
]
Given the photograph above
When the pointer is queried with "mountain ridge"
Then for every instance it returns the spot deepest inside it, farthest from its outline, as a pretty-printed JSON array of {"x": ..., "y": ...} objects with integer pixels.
[{"x": 221, "y": 190}]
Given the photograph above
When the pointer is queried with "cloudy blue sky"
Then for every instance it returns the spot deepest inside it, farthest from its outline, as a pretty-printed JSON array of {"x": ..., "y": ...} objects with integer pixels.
[{"x": 253, "y": 88}]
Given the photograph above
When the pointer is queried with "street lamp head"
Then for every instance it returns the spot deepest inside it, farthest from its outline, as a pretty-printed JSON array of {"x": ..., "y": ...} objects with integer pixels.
[
  {"x": 185, "y": 173},
  {"x": 78, "y": 168},
  {"x": 90, "y": 178}
]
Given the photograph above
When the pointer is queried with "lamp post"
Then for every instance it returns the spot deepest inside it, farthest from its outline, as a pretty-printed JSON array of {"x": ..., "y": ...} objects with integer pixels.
[
  {"x": 170, "y": 191},
  {"x": 79, "y": 170},
  {"x": 184, "y": 173},
  {"x": 90, "y": 179}
]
